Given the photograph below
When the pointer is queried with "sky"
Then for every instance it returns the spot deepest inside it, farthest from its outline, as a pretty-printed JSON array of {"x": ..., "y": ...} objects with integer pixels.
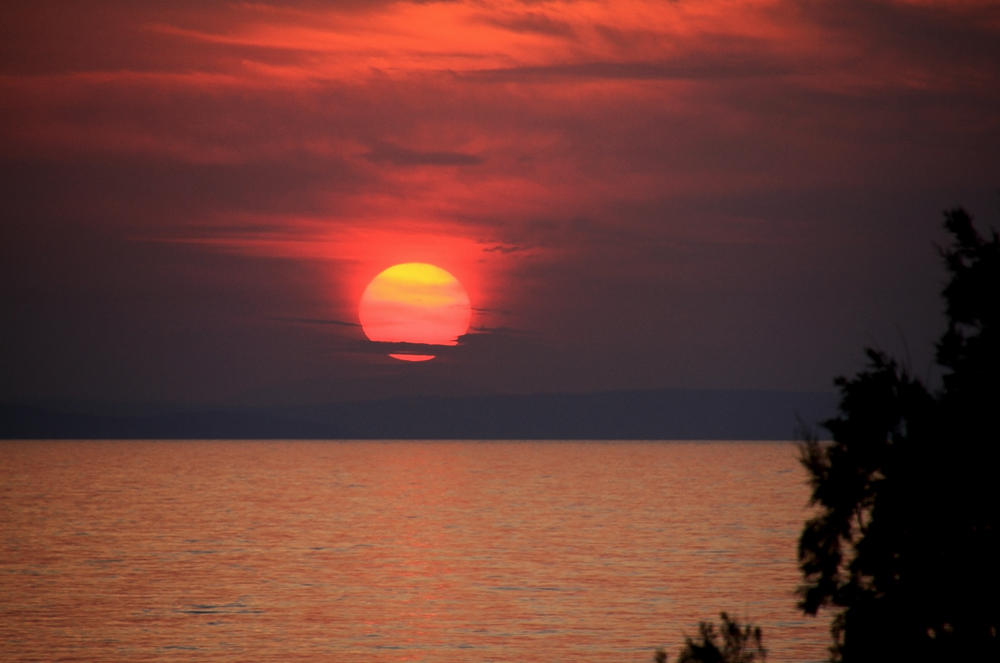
[{"x": 634, "y": 194}]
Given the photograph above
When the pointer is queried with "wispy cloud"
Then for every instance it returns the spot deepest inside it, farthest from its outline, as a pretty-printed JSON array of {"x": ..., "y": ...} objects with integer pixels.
[
  {"x": 317, "y": 321},
  {"x": 401, "y": 156}
]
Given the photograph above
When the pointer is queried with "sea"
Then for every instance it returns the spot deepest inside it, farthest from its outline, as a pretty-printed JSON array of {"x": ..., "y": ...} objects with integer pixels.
[{"x": 372, "y": 551}]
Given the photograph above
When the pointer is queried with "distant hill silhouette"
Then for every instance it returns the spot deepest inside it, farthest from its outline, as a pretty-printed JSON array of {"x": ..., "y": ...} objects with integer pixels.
[{"x": 622, "y": 415}]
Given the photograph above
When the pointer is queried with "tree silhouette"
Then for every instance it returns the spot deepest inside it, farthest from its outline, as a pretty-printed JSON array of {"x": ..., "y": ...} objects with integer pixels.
[
  {"x": 739, "y": 645},
  {"x": 904, "y": 546}
]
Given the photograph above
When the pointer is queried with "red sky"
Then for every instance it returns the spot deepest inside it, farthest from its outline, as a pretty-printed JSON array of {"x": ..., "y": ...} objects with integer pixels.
[{"x": 634, "y": 194}]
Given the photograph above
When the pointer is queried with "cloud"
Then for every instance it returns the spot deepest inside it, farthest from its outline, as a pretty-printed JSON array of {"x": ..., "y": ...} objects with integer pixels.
[
  {"x": 936, "y": 35},
  {"x": 401, "y": 156},
  {"x": 705, "y": 67},
  {"x": 317, "y": 321},
  {"x": 499, "y": 330},
  {"x": 535, "y": 22},
  {"x": 499, "y": 248},
  {"x": 384, "y": 348}
]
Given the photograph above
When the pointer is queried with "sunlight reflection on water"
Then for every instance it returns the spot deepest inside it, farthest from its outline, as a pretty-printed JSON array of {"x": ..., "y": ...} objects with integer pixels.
[{"x": 395, "y": 551}]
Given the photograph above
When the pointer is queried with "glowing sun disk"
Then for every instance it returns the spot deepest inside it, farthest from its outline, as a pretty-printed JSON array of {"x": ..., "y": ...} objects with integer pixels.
[{"x": 415, "y": 303}]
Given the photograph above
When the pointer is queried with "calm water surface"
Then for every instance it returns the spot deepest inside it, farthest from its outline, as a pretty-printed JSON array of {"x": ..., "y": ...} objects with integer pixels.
[{"x": 395, "y": 551}]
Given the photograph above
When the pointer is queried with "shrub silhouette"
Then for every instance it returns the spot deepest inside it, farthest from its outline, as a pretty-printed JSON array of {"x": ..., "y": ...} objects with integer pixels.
[
  {"x": 905, "y": 547},
  {"x": 739, "y": 645}
]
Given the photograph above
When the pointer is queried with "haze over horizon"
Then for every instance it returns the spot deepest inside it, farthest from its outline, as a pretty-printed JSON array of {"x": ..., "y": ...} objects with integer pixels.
[{"x": 636, "y": 195}]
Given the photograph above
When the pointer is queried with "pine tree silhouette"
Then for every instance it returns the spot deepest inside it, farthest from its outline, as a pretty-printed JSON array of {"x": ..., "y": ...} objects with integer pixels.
[{"x": 905, "y": 547}]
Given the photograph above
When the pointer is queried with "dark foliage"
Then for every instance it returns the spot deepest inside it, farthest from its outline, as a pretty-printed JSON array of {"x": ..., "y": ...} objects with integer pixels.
[
  {"x": 739, "y": 645},
  {"x": 904, "y": 546}
]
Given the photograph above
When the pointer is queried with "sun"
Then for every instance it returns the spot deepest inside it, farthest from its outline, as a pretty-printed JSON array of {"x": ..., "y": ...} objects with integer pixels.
[{"x": 415, "y": 303}]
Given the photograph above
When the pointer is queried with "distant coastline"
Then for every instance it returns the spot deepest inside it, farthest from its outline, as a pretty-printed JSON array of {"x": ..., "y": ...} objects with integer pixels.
[{"x": 678, "y": 414}]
